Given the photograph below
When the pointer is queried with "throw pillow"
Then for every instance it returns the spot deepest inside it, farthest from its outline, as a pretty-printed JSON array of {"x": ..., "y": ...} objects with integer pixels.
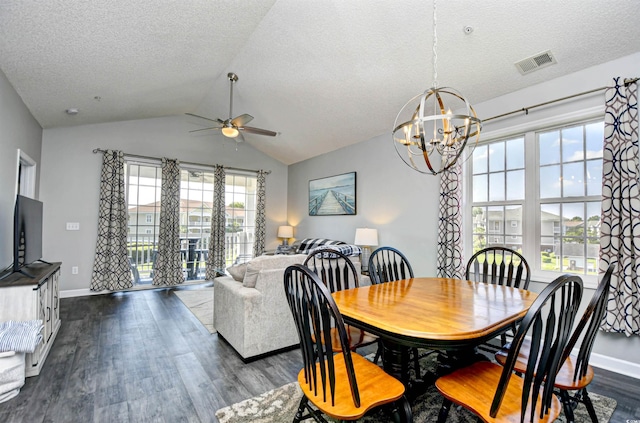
[{"x": 237, "y": 272}]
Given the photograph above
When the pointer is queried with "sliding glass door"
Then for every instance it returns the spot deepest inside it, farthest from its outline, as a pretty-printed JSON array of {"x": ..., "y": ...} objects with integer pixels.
[{"x": 144, "y": 181}]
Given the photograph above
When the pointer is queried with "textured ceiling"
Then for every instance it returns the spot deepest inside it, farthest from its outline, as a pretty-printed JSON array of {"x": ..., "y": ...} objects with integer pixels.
[{"x": 323, "y": 73}]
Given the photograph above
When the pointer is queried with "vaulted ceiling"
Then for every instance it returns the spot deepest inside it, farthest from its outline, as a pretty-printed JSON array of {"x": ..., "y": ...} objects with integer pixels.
[{"x": 322, "y": 73}]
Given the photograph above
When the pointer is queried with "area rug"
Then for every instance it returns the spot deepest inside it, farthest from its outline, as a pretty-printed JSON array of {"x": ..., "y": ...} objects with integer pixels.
[
  {"x": 200, "y": 303},
  {"x": 280, "y": 405}
]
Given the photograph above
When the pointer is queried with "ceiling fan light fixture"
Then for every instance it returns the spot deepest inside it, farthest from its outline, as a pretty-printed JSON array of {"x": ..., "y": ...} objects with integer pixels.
[{"x": 230, "y": 132}]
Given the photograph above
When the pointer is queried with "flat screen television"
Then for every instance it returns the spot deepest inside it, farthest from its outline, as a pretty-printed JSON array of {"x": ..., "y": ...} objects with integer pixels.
[{"x": 27, "y": 232}]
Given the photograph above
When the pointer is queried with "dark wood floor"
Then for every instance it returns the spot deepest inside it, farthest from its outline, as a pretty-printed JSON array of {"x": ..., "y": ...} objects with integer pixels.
[{"x": 143, "y": 357}]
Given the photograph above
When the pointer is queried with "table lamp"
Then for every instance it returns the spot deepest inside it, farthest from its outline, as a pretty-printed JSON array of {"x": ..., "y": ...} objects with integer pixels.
[
  {"x": 366, "y": 238},
  {"x": 285, "y": 232}
]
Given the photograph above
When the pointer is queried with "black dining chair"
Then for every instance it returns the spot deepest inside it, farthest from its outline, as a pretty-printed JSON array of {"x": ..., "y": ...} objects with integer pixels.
[
  {"x": 338, "y": 273},
  {"x": 334, "y": 380},
  {"x": 499, "y": 266},
  {"x": 576, "y": 373},
  {"x": 388, "y": 264},
  {"x": 501, "y": 394}
]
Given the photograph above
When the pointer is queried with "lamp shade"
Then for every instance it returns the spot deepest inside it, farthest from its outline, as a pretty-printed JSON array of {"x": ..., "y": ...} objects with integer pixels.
[
  {"x": 285, "y": 232},
  {"x": 366, "y": 236}
]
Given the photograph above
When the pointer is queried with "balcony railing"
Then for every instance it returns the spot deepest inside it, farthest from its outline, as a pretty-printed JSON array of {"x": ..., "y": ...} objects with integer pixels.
[{"x": 194, "y": 252}]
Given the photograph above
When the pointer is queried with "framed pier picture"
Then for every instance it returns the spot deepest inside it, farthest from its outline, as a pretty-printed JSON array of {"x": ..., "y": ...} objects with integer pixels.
[{"x": 333, "y": 195}]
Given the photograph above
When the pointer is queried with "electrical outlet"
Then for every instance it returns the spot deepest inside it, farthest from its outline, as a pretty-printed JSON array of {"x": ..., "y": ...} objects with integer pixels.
[
  {"x": 74, "y": 270},
  {"x": 73, "y": 226}
]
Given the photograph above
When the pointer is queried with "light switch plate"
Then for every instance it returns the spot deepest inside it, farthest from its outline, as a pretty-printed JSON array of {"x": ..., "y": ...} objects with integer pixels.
[{"x": 73, "y": 226}]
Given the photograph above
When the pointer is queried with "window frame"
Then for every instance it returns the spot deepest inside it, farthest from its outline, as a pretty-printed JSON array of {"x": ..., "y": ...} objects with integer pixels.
[{"x": 530, "y": 231}]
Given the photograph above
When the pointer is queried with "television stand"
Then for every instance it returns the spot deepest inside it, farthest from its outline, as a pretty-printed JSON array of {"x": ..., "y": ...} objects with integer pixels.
[{"x": 37, "y": 297}]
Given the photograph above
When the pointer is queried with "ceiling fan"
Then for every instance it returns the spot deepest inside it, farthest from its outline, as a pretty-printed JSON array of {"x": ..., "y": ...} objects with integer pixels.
[{"x": 234, "y": 126}]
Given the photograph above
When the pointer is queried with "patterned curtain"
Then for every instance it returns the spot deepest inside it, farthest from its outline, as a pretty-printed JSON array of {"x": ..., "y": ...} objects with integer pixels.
[
  {"x": 168, "y": 264},
  {"x": 261, "y": 223},
  {"x": 215, "y": 259},
  {"x": 450, "y": 254},
  {"x": 111, "y": 266},
  {"x": 620, "y": 230}
]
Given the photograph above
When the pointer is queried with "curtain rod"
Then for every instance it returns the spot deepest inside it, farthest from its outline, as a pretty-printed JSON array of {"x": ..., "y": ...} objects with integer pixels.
[
  {"x": 526, "y": 109},
  {"x": 100, "y": 150}
]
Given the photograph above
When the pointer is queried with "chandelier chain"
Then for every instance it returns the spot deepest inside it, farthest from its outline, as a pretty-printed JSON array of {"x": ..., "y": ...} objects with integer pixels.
[{"x": 435, "y": 45}]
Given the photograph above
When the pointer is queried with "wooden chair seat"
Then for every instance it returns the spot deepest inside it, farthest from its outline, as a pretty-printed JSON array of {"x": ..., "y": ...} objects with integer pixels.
[
  {"x": 357, "y": 338},
  {"x": 564, "y": 378},
  {"x": 376, "y": 388},
  {"x": 484, "y": 377}
]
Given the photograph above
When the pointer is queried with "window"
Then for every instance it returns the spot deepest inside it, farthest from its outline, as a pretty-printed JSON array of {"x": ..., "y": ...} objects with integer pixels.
[
  {"x": 541, "y": 190},
  {"x": 498, "y": 193},
  {"x": 144, "y": 182}
]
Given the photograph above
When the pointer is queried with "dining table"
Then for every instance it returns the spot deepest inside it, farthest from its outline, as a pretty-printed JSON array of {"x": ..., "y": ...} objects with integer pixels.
[{"x": 451, "y": 316}]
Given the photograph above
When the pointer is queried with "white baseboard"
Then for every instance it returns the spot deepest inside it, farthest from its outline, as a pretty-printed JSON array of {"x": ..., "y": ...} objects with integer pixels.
[
  {"x": 616, "y": 365},
  {"x": 69, "y": 293}
]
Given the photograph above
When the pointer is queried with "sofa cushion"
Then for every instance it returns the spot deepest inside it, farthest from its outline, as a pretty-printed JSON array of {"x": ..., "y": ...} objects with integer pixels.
[
  {"x": 255, "y": 266},
  {"x": 237, "y": 272},
  {"x": 308, "y": 244}
]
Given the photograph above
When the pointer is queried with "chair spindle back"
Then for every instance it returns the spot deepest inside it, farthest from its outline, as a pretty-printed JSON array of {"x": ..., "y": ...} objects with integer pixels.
[
  {"x": 387, "y": 264},
  {"x": 499, "y": 266},
  {"x": 335, "y": 269},
  {"x": 548, "y": 325},
  {"x": 315, "y": 314},
  {"x": 590, "y": 320}
]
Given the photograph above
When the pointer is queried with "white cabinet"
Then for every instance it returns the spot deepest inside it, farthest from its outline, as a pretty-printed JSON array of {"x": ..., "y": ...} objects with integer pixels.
[{"x": 29, "y": 298}]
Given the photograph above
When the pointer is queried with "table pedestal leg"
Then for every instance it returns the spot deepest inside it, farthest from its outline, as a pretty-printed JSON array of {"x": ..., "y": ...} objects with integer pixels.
[
  {"x": 396, "y": 361},
  {"x": 449, "y": 361}
]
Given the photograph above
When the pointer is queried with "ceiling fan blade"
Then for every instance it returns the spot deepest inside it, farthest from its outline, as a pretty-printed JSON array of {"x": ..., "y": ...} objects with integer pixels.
[
  {"x": 205, "y": 118},
  {"x": 239, "y": 138},
  {"x": 206, "y": 129},
  {"x": 241, "y": 120},
  {"x": 258, "y": 131}
]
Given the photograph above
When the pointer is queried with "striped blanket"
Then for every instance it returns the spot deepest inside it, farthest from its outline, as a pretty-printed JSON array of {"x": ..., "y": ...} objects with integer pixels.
[
  {"x": 21, "y": 337},
  {"x": 346, "y": 249},
  {"x": 309, "y": 244}
]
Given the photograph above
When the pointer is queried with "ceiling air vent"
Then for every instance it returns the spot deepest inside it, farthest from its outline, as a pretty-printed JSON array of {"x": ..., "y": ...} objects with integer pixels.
[{"x": 539, "y": 61}]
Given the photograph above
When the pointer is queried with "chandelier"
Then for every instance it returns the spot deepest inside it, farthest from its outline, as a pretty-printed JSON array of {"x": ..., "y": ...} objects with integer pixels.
[{"x": 432, "y": 129}]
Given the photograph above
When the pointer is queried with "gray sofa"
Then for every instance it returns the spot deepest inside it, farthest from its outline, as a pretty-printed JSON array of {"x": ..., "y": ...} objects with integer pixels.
[{"x": 250, "y": 308}]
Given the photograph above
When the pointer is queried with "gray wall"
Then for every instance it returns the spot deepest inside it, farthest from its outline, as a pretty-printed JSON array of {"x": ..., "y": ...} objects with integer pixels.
[
  {"x": 391, "y": 197},
  {"x": 71, "y": 178},
  {"x": 403, "y": 204},
  {"x": 18, "y": 130}
]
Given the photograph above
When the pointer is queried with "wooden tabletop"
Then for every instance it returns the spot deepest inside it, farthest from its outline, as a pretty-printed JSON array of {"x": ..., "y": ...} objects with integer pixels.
[{"x": 434, "y": 312}]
